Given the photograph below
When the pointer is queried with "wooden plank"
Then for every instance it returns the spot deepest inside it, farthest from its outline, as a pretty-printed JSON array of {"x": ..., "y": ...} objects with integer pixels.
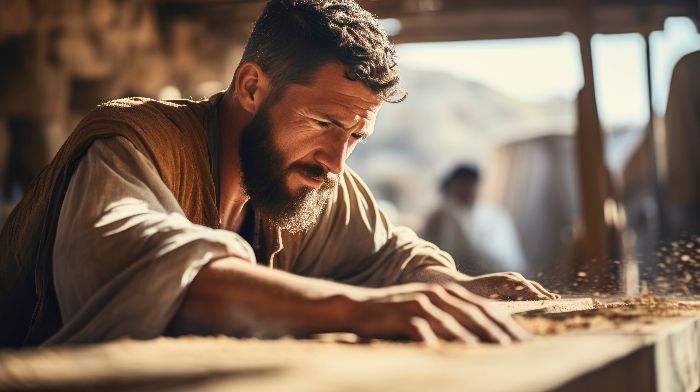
[
  {"x": 548, "y": 306},
  {"x": 635, "y": 356},
  {"x": 249, "y": 365}
]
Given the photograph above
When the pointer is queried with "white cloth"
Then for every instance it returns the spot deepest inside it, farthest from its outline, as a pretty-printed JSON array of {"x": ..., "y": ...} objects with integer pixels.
[
  {"x": 125, "y": 253},
  {"x": 483, "y": 234}
]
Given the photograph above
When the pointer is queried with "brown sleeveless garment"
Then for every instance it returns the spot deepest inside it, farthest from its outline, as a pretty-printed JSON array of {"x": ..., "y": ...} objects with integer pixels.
[{"x": 171, "y": 134}]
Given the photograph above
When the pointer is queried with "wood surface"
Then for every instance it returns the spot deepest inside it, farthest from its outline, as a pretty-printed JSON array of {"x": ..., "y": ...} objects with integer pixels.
[
  {"x": 547, "y": 306},
  {"x": 662, "y": 356}
]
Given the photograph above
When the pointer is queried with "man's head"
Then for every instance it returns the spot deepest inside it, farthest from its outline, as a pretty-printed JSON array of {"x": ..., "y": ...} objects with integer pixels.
[
  {"x": 293, "y": 38},
  {"x": 313, "y": 75},
  {"x": 462, "y": 185}
]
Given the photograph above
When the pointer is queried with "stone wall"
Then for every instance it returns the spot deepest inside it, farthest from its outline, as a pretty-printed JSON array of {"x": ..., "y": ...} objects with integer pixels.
[{"x": 61, "y": 58}]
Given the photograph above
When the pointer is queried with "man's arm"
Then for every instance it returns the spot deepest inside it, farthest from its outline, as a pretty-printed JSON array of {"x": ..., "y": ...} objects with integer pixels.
[
  {"x": 125, "y": 252},
  {"x": 233, "y": 297}
]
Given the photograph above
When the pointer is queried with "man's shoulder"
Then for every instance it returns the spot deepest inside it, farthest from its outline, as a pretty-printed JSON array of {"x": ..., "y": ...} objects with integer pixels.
[
  {"x": 138, "y": 107},
  {"x": 147, "y": 122}
]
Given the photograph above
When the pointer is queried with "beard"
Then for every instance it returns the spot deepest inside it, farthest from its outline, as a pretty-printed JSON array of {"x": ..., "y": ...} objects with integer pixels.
[{"x": 265, "y": 179}]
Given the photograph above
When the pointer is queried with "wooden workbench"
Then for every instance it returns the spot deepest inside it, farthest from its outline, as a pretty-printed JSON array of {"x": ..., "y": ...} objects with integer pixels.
[{"x": 663, "y": 356}]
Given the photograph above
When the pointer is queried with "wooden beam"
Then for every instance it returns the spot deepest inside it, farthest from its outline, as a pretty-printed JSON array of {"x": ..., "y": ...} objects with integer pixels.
[
  {"x": 523, "y": 22},
  {"x": 455, "y": 20}
]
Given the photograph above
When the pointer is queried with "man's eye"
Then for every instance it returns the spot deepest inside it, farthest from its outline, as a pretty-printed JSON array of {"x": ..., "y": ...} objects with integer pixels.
[
  {"x": 360, "y": 139},
  {"x": 322, "y": 124}
]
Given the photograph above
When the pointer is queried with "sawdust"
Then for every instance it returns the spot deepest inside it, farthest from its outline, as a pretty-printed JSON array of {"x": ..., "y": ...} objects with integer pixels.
[
  {"x": 646, "y": 309},
  {"x": 674, "y": 268}
]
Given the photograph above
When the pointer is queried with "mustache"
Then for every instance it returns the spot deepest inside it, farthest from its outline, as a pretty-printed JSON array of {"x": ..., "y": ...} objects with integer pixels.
[
  {"x": 330, "y": 180},
  {"x": 308, "y": 169}
]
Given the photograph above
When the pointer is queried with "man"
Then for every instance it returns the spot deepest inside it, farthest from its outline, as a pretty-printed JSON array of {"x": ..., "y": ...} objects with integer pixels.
[
  {"x": 153, "y": 215},
  {"x": 480, "y": 236}
]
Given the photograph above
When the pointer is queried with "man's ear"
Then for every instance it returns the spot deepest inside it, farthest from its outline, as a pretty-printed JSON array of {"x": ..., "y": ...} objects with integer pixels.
[{"x": 252, "y": 86}]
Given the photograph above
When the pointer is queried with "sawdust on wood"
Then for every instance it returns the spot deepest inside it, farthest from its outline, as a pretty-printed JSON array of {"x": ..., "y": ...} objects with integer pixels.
[
  {"x": 646, "y": 309},
  {"x": 546, "y": 306}
]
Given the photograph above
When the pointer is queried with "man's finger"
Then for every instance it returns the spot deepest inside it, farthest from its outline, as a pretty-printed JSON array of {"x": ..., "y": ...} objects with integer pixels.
[
  {"x": 469, "y": 316},
  {"x": 444, "y": 324},
  {"x": 422, "y": 332},
  {"x": 517, "y": 332},
  {"x": 520, "y": 291},
  {"x": 476, "y": 320},
  {"x": 550, "y": 294},
  {"x": 537, "y": 291},
  {"x": 505, "y": 321},
  {"x": 533, "y": 292}
]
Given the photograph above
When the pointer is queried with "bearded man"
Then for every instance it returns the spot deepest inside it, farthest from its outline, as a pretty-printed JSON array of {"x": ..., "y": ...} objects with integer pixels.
[{"x": 237, "y": 215}]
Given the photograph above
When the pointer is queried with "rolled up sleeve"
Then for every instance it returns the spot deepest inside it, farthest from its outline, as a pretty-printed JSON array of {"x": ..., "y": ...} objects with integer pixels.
[{"x": 125, "y": 253}]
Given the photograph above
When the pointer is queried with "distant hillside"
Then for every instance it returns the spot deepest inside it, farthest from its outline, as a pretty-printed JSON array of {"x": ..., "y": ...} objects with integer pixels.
[{"x": 446, "y": 120}]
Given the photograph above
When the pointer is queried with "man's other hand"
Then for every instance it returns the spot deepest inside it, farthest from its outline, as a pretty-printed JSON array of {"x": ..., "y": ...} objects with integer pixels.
[
  {"x": 426, "y": 312},
  {"x": 507, "y": 285}
]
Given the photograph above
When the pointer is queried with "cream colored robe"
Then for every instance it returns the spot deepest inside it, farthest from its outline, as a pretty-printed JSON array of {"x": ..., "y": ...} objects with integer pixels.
[{"x": 125, "y": 253}]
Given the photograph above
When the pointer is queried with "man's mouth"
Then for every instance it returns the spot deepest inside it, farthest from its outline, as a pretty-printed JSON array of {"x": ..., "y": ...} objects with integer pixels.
[
  {"x": 314, "y": 176},
  {"x": 314, "y": 182}
]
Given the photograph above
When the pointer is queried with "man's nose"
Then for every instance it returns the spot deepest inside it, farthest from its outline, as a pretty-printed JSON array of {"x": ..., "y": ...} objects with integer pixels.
[{"x": 333, "y": 156}]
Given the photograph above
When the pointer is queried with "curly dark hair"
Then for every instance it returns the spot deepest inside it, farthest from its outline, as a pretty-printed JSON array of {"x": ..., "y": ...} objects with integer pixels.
[{"x": 292, "y": 38}]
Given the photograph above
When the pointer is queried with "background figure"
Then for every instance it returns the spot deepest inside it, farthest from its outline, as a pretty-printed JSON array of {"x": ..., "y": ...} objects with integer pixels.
[{"x": 480, "y": 236}]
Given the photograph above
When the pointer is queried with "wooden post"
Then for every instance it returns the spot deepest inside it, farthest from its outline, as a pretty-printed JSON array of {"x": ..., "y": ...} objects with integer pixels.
[
  {"x": 593, "y": 174},
  {"x": 659, "y": 226}
]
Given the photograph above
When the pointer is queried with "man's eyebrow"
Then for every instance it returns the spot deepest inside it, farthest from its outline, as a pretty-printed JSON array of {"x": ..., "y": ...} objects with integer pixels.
[{"x": 327, "y": 117}]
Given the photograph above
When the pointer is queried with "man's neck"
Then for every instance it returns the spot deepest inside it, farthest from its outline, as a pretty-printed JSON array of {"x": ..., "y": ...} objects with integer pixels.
[{"x": 232, "y": 119}]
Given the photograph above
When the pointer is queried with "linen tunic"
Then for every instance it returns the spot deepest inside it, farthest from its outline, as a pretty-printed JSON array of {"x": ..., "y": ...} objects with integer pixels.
[{"x": 125, "y": 253}]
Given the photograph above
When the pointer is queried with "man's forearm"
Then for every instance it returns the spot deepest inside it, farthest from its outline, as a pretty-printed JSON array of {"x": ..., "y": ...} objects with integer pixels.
[
  {"x": 234, "y": 297},
  {"x": 437, "y": 274}
]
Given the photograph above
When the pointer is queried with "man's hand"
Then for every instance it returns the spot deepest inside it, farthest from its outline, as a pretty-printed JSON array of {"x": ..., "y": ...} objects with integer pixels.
[
  {"x": 234, "y": 297},
  {"x": 426, "y": 312},
  {"x": 504, "y": 285},
  {"x": 507, "y": 285}
]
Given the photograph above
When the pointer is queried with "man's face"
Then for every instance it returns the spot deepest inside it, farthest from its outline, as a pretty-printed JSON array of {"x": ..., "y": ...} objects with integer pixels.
[
  {"x": 293, "y": 152},
  {"x": 465, "y": 191}
]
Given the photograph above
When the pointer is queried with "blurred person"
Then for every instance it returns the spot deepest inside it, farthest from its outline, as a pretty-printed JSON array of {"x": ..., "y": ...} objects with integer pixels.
[
  {"x": 480, "y": 236},
  {"x": 683, "y": 147},
  {"x": 237, "y": 215}
]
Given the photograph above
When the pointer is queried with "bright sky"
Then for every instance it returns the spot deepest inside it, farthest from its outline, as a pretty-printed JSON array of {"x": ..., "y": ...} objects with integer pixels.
[{"x": 541, "y": 68}]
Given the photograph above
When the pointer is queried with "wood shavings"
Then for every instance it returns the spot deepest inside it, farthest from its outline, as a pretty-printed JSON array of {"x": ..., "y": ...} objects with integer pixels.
[{"x": 646, "y": 309}]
